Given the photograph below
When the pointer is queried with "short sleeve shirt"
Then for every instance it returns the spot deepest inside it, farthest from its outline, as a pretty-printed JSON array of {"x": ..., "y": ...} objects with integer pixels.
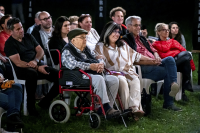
[{"x": 25, "y": 48}]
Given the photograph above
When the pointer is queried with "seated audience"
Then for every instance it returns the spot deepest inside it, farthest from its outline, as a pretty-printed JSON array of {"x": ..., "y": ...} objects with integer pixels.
[
  {"x": 176, "y": 33},
  {"x": 118, "y": 56},
  {"x": 85, "y": 22},
  {"x": 73, "y": 22},
  {"x": 37, "y": 22},
  {"x": 117, "y": 14},
  {"x": 171, "y": 48},
  {"x": 77, "y": 55},
  {"x": 25, "y": 53},
  {"x": 59, "y": 36},
  {"x": 43, "y": 32},
  {"x": 166, "y": 70},
  {"x": 10, "y": 100}
]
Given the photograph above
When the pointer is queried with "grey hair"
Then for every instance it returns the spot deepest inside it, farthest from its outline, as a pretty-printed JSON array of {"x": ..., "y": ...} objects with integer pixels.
[
  {"x": 41, "y": 13},
  {"x": 37, "y": 14},
  {"x": 128, "y": 21},
  {"x": 159, "y": 27}
]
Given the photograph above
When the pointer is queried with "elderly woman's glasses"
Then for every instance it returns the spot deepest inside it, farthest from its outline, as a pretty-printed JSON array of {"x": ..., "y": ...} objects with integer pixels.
[
  {"x": 45, "y": 19},
  {"x": 116, "y": 32},
  {"x": 165, "y": 30}
]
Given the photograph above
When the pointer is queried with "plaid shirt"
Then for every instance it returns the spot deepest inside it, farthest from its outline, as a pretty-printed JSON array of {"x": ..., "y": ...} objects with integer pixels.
[{"x": 69, "y": 61}]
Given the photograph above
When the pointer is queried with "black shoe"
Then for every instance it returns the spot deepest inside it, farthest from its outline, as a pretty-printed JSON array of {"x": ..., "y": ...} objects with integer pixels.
[
  {"x": 172, "y": 107},
  {"x": 184, "y": 98},
  {"x": 15, "y": 121},
  {"x": 188, "y": 86}
]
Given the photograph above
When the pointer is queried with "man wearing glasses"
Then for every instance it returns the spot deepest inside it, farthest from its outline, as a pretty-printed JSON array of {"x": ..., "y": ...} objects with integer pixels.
[
  {"x": 77, "y": 55},
  {"x": 166, "y": 70},
  {"x": 2, "y": 9},
  {"x": 43, "y": 32}
]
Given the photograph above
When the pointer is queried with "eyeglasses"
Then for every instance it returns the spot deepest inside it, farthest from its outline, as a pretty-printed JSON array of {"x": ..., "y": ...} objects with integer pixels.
[
  {"x": 136, "y": 25},
  {"x": 45, "y": 19},
  {"x": 165, "y": 30},
  {"x": 81, "y": 37},
  {"x": 2, "y": 10},
  {"x": 116, "y": 32},
  {"x": 74, "y": 24}
]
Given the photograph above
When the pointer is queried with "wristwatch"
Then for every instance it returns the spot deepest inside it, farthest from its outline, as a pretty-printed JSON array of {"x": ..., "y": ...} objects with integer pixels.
[{"x": 37, "y": 60}]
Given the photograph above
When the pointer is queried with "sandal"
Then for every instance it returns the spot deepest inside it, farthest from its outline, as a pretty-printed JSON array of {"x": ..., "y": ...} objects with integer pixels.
[{"x": 137, "y": 113}]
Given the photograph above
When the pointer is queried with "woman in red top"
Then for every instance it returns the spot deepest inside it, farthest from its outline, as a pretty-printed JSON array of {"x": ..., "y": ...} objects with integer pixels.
[{"x": 172, "y": 48}]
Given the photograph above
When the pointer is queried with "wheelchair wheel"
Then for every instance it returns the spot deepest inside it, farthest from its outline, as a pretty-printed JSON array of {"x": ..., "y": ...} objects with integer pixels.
[
  {"x": 96, "y": 121},
  {"x": 86, "y": 103},
  {"x": 59, "y": 111}
]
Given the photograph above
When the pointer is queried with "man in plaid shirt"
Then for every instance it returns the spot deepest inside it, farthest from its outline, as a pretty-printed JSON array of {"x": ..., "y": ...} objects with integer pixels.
[{"x": 77, "y": 55}]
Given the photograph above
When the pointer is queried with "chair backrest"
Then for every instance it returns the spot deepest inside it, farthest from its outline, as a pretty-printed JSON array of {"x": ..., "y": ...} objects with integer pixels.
[{"x": 13, "y": 71}]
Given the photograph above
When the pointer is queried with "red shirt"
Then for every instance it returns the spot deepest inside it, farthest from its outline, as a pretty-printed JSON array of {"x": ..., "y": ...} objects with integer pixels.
[
  {"x": 3, "y": 37},
  {"x": 142, "y": 49}
]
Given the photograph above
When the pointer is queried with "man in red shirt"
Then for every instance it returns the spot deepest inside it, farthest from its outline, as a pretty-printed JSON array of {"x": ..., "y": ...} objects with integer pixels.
[
  {"x": 167, "y": 70},
  {"x": 5, "y": 33}
]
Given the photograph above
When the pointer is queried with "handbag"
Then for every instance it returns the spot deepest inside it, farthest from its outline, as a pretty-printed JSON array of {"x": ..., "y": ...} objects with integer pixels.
[
  {"x": 182, "y": 57},
  {"x": 146, "y": 102}
]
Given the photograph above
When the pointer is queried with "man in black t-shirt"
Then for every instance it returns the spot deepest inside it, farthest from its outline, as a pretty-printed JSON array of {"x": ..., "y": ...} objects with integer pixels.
[{"x": 25, "y": 53}]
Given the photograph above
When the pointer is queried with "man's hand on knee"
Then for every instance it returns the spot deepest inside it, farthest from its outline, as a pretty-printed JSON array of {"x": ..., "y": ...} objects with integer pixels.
[{"x": 42, "y": 69}]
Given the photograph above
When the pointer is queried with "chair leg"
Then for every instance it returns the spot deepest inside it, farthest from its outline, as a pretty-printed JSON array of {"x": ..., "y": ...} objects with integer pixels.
[
  {"x": 179, "y": 81},
  {"x": 25, "y": 102},
  {"x": 159, "y": 85}
]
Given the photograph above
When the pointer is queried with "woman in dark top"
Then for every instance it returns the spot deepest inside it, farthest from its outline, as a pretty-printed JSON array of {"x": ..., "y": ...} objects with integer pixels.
[{"x": 59, "y": 36}]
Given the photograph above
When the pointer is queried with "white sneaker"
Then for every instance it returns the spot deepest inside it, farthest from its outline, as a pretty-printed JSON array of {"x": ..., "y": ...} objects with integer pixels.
[{"x": 174, "y": 89}]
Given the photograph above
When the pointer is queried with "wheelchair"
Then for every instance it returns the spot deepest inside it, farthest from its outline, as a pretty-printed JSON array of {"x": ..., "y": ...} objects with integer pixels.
[{"x": 86, "y": 102}]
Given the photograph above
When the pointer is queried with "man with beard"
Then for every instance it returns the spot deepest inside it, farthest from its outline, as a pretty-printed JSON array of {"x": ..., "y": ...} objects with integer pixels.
[{"x": 43, "y": 32}]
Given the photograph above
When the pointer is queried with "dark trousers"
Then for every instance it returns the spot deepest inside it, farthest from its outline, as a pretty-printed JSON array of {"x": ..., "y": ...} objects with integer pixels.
[
  {"x": 185, "y": 69},
  {"x": 31, "y": 76}
]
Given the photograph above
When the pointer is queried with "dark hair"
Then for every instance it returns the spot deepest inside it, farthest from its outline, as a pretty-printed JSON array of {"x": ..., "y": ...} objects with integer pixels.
[
  {"x": 82, "y": 17},
  {"x": 143, "y": 27},
  {"x": 178, "y": 36},
  {"x": 11, "y": 22},
  {"x": 119, "y": 43},
  {"x": 2, "y": 20},
  {"x": 58, "y": 26},
  {"x": 112, "y": 12}
]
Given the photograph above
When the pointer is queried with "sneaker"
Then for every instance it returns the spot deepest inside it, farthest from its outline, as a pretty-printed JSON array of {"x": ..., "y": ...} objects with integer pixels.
[
  {"x": 173, "y": 107},
  {"x": 184, "y": 98},
  {"x": 174, "y": 89}
]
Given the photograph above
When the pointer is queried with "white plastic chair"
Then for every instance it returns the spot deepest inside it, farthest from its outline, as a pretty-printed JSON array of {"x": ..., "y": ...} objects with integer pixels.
[
  {"x": 145, "y": 83},
  {"x": 20, "y": 81}
]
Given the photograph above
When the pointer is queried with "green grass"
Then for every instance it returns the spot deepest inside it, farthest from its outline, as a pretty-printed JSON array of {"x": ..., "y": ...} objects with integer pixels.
[{"x": 159, "y": 121}]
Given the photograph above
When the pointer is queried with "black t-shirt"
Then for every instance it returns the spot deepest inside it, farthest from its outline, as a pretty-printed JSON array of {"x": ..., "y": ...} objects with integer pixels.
[{"x": 25, "y": 48}]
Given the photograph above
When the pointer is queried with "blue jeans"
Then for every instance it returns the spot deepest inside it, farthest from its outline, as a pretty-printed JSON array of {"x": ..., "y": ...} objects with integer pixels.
[
  {"x": 167, "y": 71},
  {"x": 11, "y": 99}
]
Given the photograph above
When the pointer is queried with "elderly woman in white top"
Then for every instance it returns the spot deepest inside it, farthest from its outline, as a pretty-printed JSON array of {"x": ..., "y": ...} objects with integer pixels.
[
  {"x": 85, "y": 22},
  {"x": 119, "y": 57}
]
